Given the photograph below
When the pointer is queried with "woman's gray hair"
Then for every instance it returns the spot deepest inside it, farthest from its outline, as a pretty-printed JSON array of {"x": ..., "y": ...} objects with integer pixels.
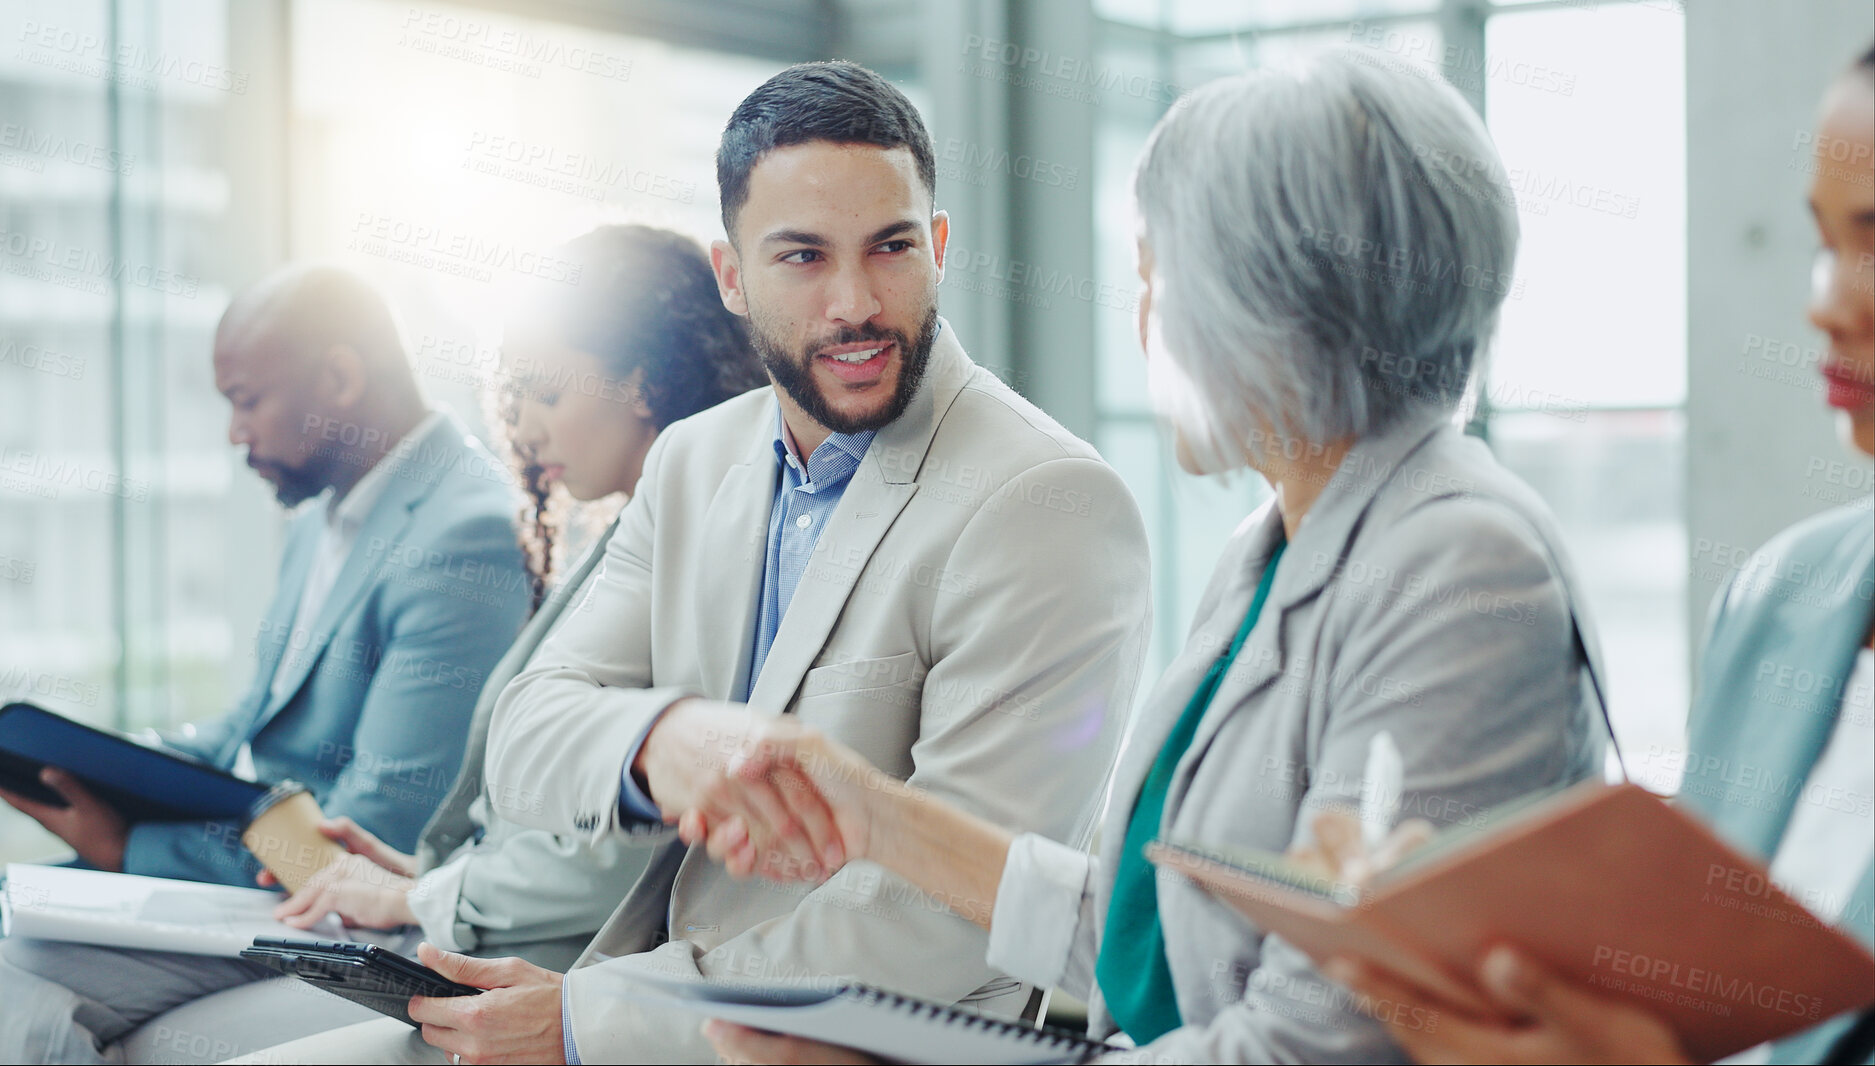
[{"x": 1331, "y": 246}]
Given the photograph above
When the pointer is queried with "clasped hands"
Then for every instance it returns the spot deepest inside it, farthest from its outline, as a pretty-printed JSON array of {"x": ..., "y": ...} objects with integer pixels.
[{"x": 765, "y": 794}]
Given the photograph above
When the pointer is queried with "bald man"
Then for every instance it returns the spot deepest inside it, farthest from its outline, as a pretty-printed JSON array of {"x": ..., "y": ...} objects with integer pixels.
[{"x": 401, "y": 586}]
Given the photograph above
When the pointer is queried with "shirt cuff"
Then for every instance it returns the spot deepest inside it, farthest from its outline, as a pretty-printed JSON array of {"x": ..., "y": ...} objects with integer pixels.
[
  {"x": 633, "y": 805},
  {"x": 566, "y": 1027},
  {"x": 436, "y": 901},
  {"x": 1038, "y": 910}
]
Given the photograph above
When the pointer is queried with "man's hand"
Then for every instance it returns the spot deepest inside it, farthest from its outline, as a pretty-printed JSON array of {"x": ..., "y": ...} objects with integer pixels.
[
  {"x": 741, "y": 1044},
  {"x": 516, "y": 1020},
  {"x": 708, "y": 767},
  {"x": 767, "y": 794},
  {"x": 1545, "y": 1018},
  {"x": 92, "y": 827},
  {"x": 359, "y": 891}
]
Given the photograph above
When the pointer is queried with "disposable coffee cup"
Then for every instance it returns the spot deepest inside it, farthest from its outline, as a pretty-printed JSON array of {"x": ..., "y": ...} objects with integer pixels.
[{"x": 283, "y": 833}]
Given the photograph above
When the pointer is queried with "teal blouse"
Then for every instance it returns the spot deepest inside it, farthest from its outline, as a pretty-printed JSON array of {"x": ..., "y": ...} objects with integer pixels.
[{"x": 1134, "y": 975}]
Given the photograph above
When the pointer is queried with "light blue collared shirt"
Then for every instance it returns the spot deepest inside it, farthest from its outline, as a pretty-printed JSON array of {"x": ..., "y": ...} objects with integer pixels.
[{"x": 806, "y": 494}]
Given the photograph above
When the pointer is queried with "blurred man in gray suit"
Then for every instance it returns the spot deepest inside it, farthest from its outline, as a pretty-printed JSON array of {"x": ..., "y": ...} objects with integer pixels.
[{"x": 400, "y": 586}]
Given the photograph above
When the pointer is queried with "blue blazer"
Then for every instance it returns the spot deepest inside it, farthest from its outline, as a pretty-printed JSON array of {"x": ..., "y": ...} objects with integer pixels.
[
  {"x": 1784, "y": 637},
  {"x": 376, "y": 709}
]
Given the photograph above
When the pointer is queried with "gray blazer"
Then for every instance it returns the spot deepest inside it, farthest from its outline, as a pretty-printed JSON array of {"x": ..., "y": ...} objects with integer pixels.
[
  {"x": 491, "y": 887},
  {"x": 377, "y": 703},
  {"x": 973, "y": 619},
  {"x": 1425, "y": 594}
]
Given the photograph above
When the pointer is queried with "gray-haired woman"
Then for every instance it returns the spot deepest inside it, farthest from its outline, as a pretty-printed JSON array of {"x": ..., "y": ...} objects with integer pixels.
[{"x": 1324, "y": 254}]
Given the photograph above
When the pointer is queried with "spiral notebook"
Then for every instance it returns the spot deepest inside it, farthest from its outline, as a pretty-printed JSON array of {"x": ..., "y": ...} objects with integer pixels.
[{"x": 898, "y": 1027}]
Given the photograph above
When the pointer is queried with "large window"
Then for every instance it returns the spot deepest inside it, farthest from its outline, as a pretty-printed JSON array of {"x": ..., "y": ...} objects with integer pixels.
[
  {"x": 1587, "y": 104},
  {"x": 131, "y": 555},
  {"x": 154, "y": 157},
  {"x": 441, "y": 150}
]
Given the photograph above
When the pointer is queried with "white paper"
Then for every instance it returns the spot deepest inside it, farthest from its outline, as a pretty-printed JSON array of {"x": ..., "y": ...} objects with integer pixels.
[{"x": 146, "y": 913}]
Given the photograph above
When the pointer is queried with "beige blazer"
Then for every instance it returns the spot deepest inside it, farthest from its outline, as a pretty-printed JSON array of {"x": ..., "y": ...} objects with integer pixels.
[
  {"x": 490, "y": 887},
  {"x": 973, "y": 619},
  {"x": 1427, "y": 594}
]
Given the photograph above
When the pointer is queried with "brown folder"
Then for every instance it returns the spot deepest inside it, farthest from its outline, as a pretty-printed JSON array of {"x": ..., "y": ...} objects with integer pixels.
[{"x": 1611, "y": 886}]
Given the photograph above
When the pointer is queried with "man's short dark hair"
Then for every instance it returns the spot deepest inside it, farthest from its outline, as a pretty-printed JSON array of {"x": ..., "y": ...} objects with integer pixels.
[{"x": 839, "y": 101}]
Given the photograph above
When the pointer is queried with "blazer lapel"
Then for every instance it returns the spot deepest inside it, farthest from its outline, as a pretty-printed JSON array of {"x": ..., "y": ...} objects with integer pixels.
[
  {"x": 276, "y": 635},
  {"x": 735, "y": 536},
  {"x": 884, "y": 483},
  {"x": 1808, "y": 640},
  {"x": 1153, "y": 724},
  {"x": 1309, "y": 562},
  {"x": 1141, "y": 749},
  {"x": 384, "y": 526},
  {"x": 868, "y": 508},
  {"x": 1259, "y": 662}
]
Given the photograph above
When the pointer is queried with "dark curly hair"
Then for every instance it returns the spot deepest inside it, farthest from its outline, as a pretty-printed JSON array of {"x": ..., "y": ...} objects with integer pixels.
[{"x": 645, "y": 298}]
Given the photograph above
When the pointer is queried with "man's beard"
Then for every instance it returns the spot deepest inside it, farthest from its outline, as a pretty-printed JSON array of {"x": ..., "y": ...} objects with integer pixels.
[
  {"x": 294, "y": 485},
  {"x": 794, "y": 372}
]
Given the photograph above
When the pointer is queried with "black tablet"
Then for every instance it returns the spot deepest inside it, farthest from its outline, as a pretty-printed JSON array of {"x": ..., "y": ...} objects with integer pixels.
[{"x": 363, "y": 973}]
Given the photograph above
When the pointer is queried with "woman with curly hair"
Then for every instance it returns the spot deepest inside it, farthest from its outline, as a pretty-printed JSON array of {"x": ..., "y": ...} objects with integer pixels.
[{"x": 594, "y": 370}]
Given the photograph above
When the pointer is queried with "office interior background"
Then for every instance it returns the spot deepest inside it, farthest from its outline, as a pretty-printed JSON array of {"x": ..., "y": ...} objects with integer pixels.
[{"x": 1653, "y": 376}]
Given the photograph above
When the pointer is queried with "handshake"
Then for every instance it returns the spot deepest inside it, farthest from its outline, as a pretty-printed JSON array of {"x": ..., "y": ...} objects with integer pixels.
[{"x": 767, "y": 795}]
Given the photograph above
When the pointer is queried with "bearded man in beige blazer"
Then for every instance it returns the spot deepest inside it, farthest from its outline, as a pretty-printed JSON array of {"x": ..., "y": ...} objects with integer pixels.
[{"x": 889, "y": 543}]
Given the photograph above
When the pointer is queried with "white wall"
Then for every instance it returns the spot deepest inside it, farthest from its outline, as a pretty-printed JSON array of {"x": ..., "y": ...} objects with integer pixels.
[{"x": 1762, "y": 449}]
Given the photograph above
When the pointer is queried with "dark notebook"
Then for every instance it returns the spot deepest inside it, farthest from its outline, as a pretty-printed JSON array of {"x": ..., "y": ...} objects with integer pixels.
[{"x": 144, "y": 784}]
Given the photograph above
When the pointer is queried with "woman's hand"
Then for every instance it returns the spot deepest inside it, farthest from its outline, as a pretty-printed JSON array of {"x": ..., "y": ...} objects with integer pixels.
[
  {"x": 786, "y": 772},
  {"x": 740, "y": 1044},
  {"x": 359, "y": 891},
  {"x": 1545, "y": 1018},
  {"x": 360, "y": 841},
  {"x": 1340, "y": 851},
  {"x": 368, "y": 888},
  {"x": 782, "y": 781}
]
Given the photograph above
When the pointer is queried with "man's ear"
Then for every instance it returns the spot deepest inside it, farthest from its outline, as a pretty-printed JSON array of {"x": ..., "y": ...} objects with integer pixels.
[
  {"x": 728, "y": 267},
  {"x": 342, "y": 377},
  {"x": 940, "y": 239}
]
